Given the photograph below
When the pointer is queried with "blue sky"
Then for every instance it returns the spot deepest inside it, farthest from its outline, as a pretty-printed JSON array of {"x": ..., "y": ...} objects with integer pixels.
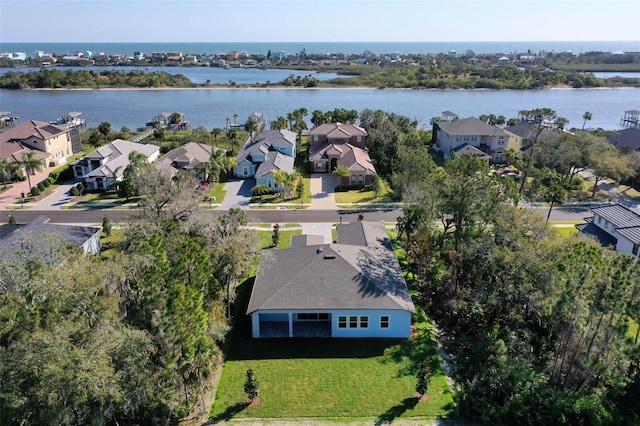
[{"x": 313, "y": 20}]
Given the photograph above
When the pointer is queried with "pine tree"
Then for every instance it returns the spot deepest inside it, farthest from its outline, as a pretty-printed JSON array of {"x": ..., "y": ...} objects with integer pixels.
[
  {"x": 251, "y": 386},
  {"x": 423, "y": 377}
]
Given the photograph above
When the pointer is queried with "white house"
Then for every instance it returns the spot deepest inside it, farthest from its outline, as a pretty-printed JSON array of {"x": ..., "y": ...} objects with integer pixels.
[
  {"x": 352, "y": 289},
  {"x": 103, "y": 167},
  {"x": 614, "y": 225}
]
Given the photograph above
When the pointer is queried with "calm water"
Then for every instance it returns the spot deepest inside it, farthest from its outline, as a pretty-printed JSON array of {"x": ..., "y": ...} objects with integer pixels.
[
  {"x": 322, "y": 48},
  {"x": 202, "y": 74},
  {"x": 211, "y": 107}
]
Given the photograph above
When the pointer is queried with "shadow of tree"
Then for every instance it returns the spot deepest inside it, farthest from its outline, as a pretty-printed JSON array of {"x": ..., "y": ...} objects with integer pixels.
[
  {"x": 228, "y": 413},
  {"x": 396, "y": 411}
]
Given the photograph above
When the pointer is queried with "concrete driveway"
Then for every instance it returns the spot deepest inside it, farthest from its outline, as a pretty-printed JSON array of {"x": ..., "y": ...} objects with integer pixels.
[
  {"x": 238, "y": 194},
  {"x": 323, "y": 194}
]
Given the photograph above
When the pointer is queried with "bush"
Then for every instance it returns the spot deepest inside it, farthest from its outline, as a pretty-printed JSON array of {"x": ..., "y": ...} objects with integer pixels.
[
  {"x": 80, "y": 187},
  {"x": 51, "y": 180},
  {"x": 35, "y": 191},
  {"x": 74, "y": 191},
  {"x": 41, "y": 187},
  {"x": 46, "y": 183}
]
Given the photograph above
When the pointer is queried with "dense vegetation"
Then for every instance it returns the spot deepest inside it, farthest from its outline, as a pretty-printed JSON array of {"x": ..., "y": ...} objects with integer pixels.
[
  {"x": 129, "y": 338},
  {"x": 56, "y": 79}
]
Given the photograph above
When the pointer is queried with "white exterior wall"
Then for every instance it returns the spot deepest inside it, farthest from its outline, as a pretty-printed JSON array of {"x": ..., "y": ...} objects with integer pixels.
[{"x": 624, "y": 245}]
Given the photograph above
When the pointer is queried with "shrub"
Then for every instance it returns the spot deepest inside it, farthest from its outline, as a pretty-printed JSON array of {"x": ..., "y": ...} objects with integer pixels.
[
  {"x": 51, "y": 180},
  {"x": 46, "y": 183},
  {"x": 41, "y": 187},
  {"x": 35, "y": 191},
  {"x": 80, "y": 187},
  {"x": 74, "y": 191}
]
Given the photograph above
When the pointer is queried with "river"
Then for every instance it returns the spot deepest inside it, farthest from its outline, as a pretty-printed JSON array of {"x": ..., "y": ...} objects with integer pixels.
[{"x": 211, "y": 107}]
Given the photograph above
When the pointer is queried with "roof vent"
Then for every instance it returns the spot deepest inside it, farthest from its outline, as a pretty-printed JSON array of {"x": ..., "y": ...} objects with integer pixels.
[
  {"x": 320, "y": 250},
  {"x": 329, "y": 256}
]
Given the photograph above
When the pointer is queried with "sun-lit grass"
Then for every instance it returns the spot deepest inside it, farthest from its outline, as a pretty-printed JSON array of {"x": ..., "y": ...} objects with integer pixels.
[
  {"x": 266, "y": 238},
  {"x": 110, "y": 244},
  {"x": 330, "y": 379},
  {"x": 363, "y": 196},
  {"x": 566, "y": 231},
  {"x": 217, "y": 192}
]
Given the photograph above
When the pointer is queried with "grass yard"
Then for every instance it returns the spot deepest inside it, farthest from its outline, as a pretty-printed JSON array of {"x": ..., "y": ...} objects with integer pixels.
[
  {"x": 217, "y": 192},
  {"x": 277, "y": 199},
  {"x": 330, "y": 379},
  {"x": 364, "y": 196},
  {"x": 285, "y": 238}
]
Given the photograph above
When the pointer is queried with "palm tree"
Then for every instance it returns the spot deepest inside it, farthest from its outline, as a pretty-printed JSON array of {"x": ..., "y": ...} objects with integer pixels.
[
  {"x": 587, "y": 116},
  {"x": 7, "y": 170},
  {"x": 251, "y": 126},
  {"x": 227, "y": 128},
  {"x": 216, "y": 132},
  {"x": 217, "y": 164},
  {"x": 260, "y": 190},
  {"x": 31, "y": 165},
  {"x": 235, "y": 120}
]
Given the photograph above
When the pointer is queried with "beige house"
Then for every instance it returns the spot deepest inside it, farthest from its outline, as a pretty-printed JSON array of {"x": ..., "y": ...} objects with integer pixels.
[
  {"x": 491, "y": 140},
  {"x": 51, "y": 143},
  {"x": 186, "y": 157},
  {"x": 337, "y": 144}
]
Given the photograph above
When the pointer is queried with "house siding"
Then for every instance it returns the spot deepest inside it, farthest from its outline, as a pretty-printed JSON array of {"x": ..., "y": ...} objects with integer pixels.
[{"x": 399, "y": 322}]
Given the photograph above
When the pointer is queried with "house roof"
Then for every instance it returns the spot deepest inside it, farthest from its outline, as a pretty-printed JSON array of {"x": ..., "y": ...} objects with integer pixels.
[
  {"x": 352, "y": 157},
  {"x": 75, "y": 235},
  {"x": 470, "y": 126},
  {"x": 117, "y": 155},
  {"x": 11, "y": 147},
  {"x": 190, "y": 154},
  {"x": 265, "y": 140},
  {"x": 528, "y": 131},
  {"x": 629, "y": 138},
  {"x": 625, "y": 221},
  {"x": 338, "y": 130},
  {"x": 360, "y": 272},
  {"x": 275, "y": 161},
  {"x": 467, "y": 148}
]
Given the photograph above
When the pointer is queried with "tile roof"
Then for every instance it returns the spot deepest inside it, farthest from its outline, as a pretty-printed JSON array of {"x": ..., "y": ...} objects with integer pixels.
[
  {"x": 334, "y": 276},
  {"x": 338, "y": 130},
  {"x": 352, "y": 157},
  {"x": 12, "y": 149}
]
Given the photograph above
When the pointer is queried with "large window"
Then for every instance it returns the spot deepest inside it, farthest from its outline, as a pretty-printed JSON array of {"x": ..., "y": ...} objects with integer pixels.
[
  {"x": 360, "y": 179},
  {"x": 636, "y": 249},
  {"x": 353, "y": 321},
  {"x": 384, "y": 321},
  {"x": 500, "y": 141},
  {"x": 364, "y": 322}
]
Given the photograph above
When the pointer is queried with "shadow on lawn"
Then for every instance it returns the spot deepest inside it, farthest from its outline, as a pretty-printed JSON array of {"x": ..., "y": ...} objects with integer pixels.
[
  {"x": 227, "y": 414},
  {"x": 396, "y": 411}
]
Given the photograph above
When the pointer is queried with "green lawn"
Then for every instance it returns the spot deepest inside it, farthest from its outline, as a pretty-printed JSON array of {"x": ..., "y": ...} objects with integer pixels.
[
  {"x": 285, "y": 238},
  {"x": 363, "y": 196},
  {"x": 337, "y": 379},
  {"x": 277, "y": 199},
  {"x": 218, "y": 192},
  {"x": 330, "y": 379}
]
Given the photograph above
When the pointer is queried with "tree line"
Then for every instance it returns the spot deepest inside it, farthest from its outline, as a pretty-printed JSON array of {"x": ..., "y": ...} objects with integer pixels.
[{"x": 126, "y": 338}]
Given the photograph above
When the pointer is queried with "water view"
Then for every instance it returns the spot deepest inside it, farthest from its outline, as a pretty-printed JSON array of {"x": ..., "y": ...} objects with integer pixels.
[{"x": 211, "y": 107}]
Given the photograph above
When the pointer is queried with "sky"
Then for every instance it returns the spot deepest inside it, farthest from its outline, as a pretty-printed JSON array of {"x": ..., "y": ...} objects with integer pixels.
[{"x": 318, "y": 21}]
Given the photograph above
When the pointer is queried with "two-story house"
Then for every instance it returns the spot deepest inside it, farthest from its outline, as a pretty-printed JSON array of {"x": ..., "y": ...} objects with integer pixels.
[
  {"x": 337, "y": 144},
  {"x": 52, "y": 144},
  {"x": 102, "y": 168},
  {"x": 450, "y": 137},
  {"x": 273, "y": 149},
  {"x": 614, "y": 225}
]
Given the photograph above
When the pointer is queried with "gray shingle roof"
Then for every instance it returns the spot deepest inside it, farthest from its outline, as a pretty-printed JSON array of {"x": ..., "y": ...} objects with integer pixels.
[
  {"x": 275, "y": 161},
  {"x": 265, "y": 140},
  {"x": 117, "y": 154},
  {"x": 629, "y": 138},
  {"x": 190, "y": 153},
  {"x": 469, "y": 127},
  {"x": 625, "y": 221},
  {"x": 334, "y": 276}
]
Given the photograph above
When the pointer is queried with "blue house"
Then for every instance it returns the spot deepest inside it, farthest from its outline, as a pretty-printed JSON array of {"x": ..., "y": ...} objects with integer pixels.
[
  {"x": 353, "y": 288},
  {"x": 258, "y": 157}
]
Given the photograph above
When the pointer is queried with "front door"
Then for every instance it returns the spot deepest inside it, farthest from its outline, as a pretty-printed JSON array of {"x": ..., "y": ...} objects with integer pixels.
[{"x": 334, "y": 164}]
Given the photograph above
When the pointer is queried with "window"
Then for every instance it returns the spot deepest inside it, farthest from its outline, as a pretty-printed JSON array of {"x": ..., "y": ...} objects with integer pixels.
[
  {"x": 313, "y": 317},
  {"x": 636, "y": 249},
  {"x": 501, "y": 141},
  {"x": 245, "y": 171},
  {"x": 353, "y": 180},
  {"x": 364, "y": 322},
  {"x": 384, "y": 321},
  {"x": 360, "y": 179},
  {"x": 359, "y": 138},
  {"x": 315, "y": 138},
  {"x": 353, "y": 322},
  {"x": 599, "y": 220},
  {"x": 342, "y": 322}
]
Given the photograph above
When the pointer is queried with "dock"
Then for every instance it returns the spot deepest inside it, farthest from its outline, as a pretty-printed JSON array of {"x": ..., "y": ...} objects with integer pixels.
[{"x": 631, "y": 118}]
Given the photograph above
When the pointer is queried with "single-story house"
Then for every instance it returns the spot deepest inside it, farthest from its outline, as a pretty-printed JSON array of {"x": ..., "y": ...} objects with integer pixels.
[
  {"x": 86, "y": 238},
  {"x": 186, "y": 157},
  {"x": 353, "y": 288},
  {"x": 103, "y": 167},
  {"x": 614, "y": 225}
]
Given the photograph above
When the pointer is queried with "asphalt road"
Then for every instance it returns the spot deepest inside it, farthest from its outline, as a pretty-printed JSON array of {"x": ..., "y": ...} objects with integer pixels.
[{"x": 75, "y": 216}]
